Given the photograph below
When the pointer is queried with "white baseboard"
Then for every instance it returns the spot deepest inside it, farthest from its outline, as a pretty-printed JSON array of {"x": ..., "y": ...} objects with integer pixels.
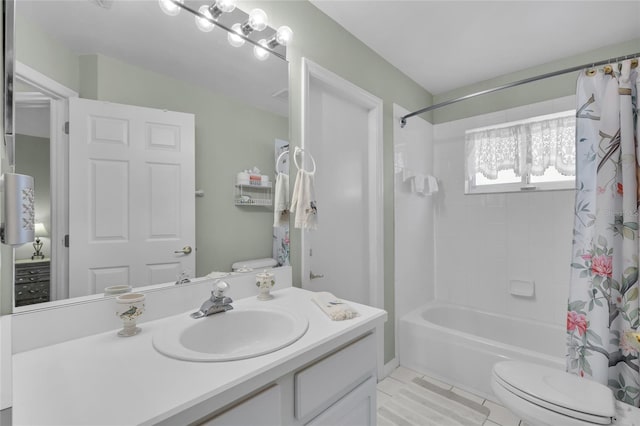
[{"x": 389, "y": 367}]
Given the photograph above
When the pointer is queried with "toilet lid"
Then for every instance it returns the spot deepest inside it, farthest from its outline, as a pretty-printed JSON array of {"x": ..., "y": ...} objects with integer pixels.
[{"x": 557, "y": 390}]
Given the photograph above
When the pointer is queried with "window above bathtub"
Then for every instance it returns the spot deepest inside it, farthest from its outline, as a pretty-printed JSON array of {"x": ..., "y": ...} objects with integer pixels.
[{"x": 526, "y": 155}]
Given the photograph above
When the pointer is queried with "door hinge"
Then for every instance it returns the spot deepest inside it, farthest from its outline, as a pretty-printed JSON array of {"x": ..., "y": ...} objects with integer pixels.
[
  {"x": 66, "y": 128},
  {"x": 66, "y": 240},
  {"x": 310, "y": 252}
]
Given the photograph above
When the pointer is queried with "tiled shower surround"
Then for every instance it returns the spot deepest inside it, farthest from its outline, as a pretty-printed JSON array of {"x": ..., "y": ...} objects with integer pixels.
[{"x": 482, "y": 241}]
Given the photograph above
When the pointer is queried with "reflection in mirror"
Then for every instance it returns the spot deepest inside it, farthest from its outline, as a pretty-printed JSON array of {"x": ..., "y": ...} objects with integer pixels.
[
  {"x": 281, "y": 204},
  {"x": 130, "y": 79}
]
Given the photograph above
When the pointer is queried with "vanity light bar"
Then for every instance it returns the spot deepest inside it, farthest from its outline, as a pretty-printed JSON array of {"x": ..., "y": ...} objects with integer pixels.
[{"x": 207, "y": 19}]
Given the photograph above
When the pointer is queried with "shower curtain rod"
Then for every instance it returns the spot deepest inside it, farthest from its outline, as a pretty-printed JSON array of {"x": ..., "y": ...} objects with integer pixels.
[{"x": 403, "y": 120}]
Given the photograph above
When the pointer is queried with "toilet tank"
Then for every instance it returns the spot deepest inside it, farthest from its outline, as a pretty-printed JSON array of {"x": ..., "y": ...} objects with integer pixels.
[{"x": 254, "y": 264}]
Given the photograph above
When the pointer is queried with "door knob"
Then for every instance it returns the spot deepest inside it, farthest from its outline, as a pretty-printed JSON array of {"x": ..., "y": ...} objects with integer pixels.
[
  {"x": 313, "y": 276},
  {"x": 185, "y": 250}
]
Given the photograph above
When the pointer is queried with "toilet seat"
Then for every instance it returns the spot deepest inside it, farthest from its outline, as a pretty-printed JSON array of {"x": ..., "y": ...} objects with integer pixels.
[{"x": 562, "y": 393}]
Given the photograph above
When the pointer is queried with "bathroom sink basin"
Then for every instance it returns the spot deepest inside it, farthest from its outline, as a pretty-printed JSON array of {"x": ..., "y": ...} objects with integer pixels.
[{"x": 232, "y": 335}]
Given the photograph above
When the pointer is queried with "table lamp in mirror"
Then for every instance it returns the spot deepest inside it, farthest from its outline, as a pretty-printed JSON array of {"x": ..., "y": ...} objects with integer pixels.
[{"x": 40, "y": 231}]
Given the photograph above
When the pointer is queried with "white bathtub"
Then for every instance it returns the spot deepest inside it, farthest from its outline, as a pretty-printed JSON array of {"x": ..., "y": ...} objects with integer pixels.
[{"x": 460, "y": 345}]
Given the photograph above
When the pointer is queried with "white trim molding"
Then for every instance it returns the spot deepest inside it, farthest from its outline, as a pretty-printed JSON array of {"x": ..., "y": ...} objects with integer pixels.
[
  {"x": 44, "y": 84},
  {"x": 56, "y": 97},
  {"x": 389, "y": 367}
]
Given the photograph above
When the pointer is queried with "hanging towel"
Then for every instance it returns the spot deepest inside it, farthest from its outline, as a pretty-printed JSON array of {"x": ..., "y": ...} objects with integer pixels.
[
  {"x": 281, "y": 201},
  {"x": 433, "y": 184},
  {"x": 335, "y": 308},
  {"x": 398, "y": 162},
  {"x": 303, "y": 201},
  {"x": 407, "y": 174},
  {"x": 417, "y": 184}
]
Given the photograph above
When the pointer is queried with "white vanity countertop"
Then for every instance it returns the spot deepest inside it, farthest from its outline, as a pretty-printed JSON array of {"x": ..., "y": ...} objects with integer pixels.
[{"x": 109, "y": 380}]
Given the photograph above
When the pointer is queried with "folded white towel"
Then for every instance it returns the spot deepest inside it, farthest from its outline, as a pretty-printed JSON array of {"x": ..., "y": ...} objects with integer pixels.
[
  {"x": 303, "y": 201},
  {"x": 335, "y": 308},
  {"x": 281, "y": 201}
]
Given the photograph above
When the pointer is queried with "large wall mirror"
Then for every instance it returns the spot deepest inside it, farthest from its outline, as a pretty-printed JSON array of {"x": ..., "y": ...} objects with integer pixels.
[{"x": 124, "y": 73}]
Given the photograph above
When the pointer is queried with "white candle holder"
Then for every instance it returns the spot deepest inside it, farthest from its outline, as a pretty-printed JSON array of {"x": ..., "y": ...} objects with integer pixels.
[
  {"x": 129, "y": 307},
  {"x": 264, "y": 281}
]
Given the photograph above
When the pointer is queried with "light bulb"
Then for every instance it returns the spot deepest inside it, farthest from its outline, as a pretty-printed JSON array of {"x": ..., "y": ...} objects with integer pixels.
[
  {"x": 226, "y": 5},
  {"x": 222, "y": 6},
  {"x": 257, "y": 19},
  {"x": 170, "y": 7},
  {"x": 284, "y": 35},
  {"x": 233, "y": 38},
  {"x": 259, "y": 52},
  {"x": 204, "y": 24}
]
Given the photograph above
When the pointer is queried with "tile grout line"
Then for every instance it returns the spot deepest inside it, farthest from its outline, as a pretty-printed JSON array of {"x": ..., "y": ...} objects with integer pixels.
[{"x": 381, "y": 391}]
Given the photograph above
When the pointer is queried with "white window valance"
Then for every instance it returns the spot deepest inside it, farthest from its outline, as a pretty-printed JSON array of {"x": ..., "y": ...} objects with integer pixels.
[{"x": 528, "y": 147}]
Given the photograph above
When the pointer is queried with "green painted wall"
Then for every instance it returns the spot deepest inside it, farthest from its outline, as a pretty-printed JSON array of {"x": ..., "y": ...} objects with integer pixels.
[
  {"x": 539, "y": 91},
  {"x": 41, "y": 52}
]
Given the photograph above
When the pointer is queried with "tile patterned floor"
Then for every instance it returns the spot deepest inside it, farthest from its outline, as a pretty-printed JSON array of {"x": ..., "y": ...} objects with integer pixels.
[{"x": 402, "y": 380}]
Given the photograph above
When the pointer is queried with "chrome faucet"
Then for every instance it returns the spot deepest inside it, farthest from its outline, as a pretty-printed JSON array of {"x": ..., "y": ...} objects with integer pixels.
[
  {"x": 183, "y": 278},
  {"x": 217, "y": 303}
]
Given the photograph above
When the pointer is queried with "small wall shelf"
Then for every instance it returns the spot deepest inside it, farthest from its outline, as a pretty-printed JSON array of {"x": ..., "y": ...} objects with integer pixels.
[{"x": 253, "y": 195}]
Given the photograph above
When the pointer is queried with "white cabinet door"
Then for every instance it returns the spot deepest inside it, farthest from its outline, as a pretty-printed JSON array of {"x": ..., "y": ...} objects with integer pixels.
[
  {"x": 131, "y": 195},
  {"x": 322, "y": 383},
  {"x": 357, "y": 408}
]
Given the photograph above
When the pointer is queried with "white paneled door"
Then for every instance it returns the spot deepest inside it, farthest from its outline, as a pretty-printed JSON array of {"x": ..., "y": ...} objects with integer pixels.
[
  {"x": 338, "y": 252},
  {"x": 131, "y": 195},
  {"x": 343, "y": 132}
]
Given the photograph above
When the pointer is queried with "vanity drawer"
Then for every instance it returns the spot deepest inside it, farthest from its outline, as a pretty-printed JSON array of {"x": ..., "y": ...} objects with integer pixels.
[
  {"x": 328, "y": 380},
  {"x": 357, "y": 408},
  {"x": 27, "y": 279},
  {"x": 24, "y": 271},
  {"x": 32, "y": 282},
  {"x": 27, "y": 294}
]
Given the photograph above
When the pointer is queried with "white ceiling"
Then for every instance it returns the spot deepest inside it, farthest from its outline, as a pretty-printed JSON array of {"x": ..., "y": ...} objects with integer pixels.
[{"x": 443, "y": 45}]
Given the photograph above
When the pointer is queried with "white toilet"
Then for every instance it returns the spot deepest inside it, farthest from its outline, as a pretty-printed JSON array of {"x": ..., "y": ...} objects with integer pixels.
[
  {"x": 254, "y": 265},
  {"x": 544, "y": 396}
]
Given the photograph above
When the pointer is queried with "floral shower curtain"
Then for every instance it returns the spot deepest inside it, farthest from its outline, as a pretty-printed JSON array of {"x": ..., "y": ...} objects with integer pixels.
[{"x": 603, "y": 300}]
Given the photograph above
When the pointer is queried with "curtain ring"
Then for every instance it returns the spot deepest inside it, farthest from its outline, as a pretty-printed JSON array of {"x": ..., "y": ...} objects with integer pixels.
[
  {"x": 608, "y": 69},
  {"x": 634, "y": 63},
  {"x": 590, "y": 72}
]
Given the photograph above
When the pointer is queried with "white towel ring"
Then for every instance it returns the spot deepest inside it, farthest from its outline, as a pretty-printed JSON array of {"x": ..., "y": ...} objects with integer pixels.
[
  {"x": 299, "y": 150},
  {"x": 280, "y": 158}
]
